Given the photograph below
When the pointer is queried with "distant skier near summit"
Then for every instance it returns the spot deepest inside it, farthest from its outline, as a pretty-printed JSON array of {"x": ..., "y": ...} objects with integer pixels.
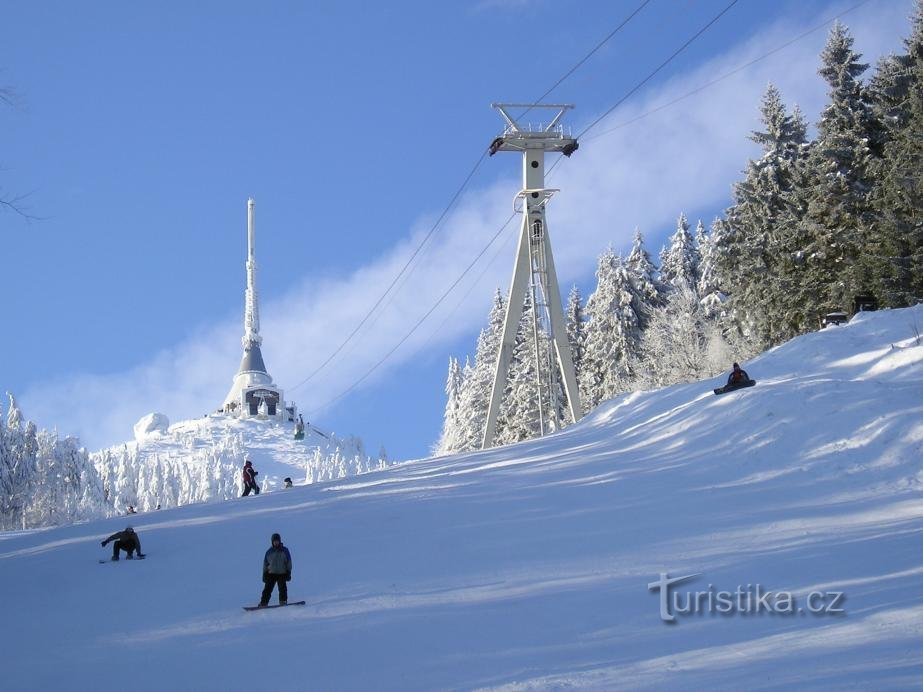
[{"x": 250, "y": 479}]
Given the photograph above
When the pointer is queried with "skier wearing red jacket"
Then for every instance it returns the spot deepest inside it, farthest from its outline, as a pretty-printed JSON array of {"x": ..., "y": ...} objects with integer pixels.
[{"x": 250, "y": 479}]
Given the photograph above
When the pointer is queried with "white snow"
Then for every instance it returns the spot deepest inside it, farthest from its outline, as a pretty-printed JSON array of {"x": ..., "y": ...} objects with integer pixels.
[
  {"x": 527, "y": 566},
  {"x": 200, "y": 460},
  {"x": 151, "y": 423}
]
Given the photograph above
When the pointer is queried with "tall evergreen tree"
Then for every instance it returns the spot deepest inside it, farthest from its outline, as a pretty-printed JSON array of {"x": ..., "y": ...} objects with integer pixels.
[
  {"x": 838, "y": 212},
  {"x": 448, "y": 441},
  {"x": 896, "y": 254},
  {"x": 574, "y": 324},
  {"x": 613, "y": 332},
  {"x": 519, "y": 412},
  {"x": 757, "y": 229},
  {"x": 474, "y": 398},
  {"x": 709, "y": 290},
  {"x": 649, "y": 289},
  {"x": 679, "y": 264}
]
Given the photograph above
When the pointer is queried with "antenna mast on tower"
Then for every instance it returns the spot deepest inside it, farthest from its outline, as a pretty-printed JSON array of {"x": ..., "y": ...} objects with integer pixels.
[{"x": 534, "y": 265}]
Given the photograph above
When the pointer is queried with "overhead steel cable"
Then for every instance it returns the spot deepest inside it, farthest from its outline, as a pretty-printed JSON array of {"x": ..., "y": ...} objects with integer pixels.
[
  {"x": 588, "y": 55},
  {"x": 419, "y": 248},
  {"x": 554, "y": 86},
  {"x": 652, "y": 74},
  {"x": 731, "y": 73},
  {"x": 418, "y": 323},
  {"x": 394, "y": 281}
]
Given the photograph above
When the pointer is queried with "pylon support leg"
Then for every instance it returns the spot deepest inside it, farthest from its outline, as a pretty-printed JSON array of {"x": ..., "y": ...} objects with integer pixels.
[
  {"x": 561, "y": 344},
  {"x": 518, "y": 284}
]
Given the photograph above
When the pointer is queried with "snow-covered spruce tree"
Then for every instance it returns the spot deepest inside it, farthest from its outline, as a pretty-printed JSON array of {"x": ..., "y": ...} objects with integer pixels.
[
  {"x": 837, "y": 216},
  {"x": 574, "y": 324},
  {"x": 126, "y": 480},
  {"x": 709, "y": 290},
  {"x": 474, "y": 397},
  {"x": 613, "y": 332},
  {"x": 66, "y": 487},
  {"x": 895, "y": 252},
  {"x": 448, "y": 440},
  {"x": 679, "y": 264},
  {"x": 754, "y": 235},
  {"x": 17, "y": 467},
  {"x": 648, "y": 288},
  {"x": 518, "y": 415},
  {"x": 44, "y": 480}
]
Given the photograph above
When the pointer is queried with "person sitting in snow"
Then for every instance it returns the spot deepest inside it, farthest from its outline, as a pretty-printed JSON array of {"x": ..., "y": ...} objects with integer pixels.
[
  {"x": 287, "y": 482},
  {"x": 250, "y": 479},
  {"x": 126, "y": 540},
  {"x": 277, "y": 569},
  {"x": 737, "y": 377}
]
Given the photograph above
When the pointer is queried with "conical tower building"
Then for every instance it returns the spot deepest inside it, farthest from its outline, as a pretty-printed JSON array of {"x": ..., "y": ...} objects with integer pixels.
[{"x": 253, "y": 392}]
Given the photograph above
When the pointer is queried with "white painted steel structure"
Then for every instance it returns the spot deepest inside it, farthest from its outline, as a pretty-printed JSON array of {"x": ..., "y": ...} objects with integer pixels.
[{"x": 534, "y": 266}]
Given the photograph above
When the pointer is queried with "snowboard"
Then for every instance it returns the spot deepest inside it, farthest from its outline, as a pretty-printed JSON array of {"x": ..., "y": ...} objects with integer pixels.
[
  {"x": 137, "y": 557},
  {"x": 733, "y": 388},
  {"x": 267, "y": 607}
]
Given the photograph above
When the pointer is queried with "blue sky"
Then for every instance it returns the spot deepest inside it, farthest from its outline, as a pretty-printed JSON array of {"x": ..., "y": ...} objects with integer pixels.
[{"x": 142, "y": 129}]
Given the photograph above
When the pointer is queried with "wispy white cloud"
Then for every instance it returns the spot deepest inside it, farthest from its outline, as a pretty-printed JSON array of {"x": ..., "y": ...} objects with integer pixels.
[{"x": 681, "y": 158}]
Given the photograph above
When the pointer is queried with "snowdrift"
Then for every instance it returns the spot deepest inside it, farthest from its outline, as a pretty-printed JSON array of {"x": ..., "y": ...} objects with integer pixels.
[{"x": 528, "y": 566}]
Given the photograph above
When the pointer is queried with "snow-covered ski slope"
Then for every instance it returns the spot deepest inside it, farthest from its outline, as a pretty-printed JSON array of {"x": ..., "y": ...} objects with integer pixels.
[{"x": 528, "y": 566}]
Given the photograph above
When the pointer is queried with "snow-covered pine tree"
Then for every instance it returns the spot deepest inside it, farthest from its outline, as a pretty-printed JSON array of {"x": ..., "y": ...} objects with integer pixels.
[
  {"x": 755, "y": 236},
  {"x": 448, "y": 440},
  {"x": 679, "y": 264},
  {"x": 574, "y": 324},
  {"x": 474, "y": 398},
  {"x": 711, "y": 296},
  {"x": 838, "y": 212},
  {"x": 518, "y": 418},
  {"x": 44, "y": 480},
  {"x": 649, "y": 290},
  {"x": 896, "y": 254},
  {"x": 11, "y": 497},
  {"x": 18, "y": 469},
  {"x": 613, "y": 332}
]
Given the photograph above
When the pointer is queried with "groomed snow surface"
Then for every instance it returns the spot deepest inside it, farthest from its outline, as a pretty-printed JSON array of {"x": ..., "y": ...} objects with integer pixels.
[{"x": 528, "y": 566}]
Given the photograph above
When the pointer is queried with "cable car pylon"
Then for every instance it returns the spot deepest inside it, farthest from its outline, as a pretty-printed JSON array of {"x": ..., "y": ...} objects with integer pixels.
[{"x": 534, "y": 265}]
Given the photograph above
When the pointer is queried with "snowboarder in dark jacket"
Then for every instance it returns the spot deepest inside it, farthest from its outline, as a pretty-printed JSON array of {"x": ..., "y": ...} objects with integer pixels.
[
  {"x": 250, "y": 479},
  {"x": 737, "y": 377},
  {"x": 277, "y": 569},
  {"x": 126, "y": 540}
]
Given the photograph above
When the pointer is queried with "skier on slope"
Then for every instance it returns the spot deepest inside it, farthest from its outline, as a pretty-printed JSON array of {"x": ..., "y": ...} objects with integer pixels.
[
  {"x": 737, "y": 377},
  {"x": 126, "y": 540},
  {"x": 277, "y": 569},
  {"x": 250, "y": 479}
]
